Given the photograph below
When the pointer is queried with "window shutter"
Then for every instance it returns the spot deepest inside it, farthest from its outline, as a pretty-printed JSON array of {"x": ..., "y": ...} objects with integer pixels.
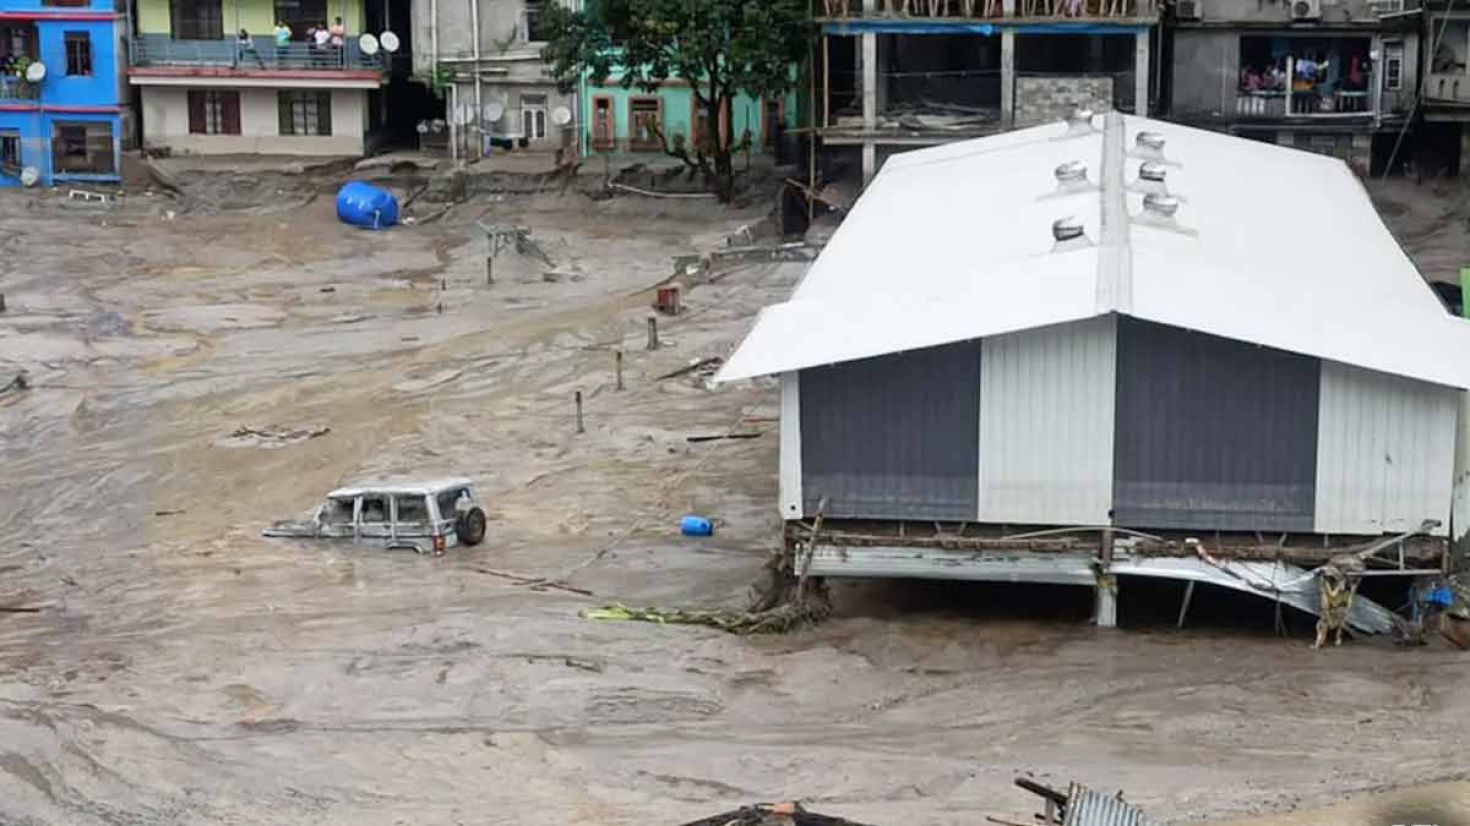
[
  {"x": 283, "y": 107},
  {"x": 196, "y": 112},
  {"x": 324, "y": 113},
  {"x": 231, "y": 106}
]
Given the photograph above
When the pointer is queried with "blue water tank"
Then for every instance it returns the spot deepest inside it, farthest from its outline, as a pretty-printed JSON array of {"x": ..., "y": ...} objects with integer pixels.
[
  {"x": 364, "y": 205},
  {"x": 696, "y": 526}
]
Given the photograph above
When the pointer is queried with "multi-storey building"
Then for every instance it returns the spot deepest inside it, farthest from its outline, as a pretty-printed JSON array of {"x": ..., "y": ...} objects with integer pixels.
[
  {"x": 1332, "y": 76},
  {"x": 60, "y": 102}
]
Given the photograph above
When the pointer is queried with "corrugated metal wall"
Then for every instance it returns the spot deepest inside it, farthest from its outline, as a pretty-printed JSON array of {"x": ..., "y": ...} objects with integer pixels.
[
  {"x": 893, "y": 437},
  {"x": 1385, "y": 452},
  {"x": 1212, "y": 433},
  {"x": 1046, "y": 425}
]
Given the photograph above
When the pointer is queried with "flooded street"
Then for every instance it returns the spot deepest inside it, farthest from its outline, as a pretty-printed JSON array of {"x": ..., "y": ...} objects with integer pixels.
[{"x": 162, "y": 663}]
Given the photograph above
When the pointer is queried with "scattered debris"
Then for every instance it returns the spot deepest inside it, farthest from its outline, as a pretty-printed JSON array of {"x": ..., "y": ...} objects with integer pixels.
[
  {"x": 21, "y": 609},
  {"x": 327, "y": 290},
  {"x": 1081, "y": 806},
  {"x": 586, "y": 665},
  {"x": 772, "y": 814},
  {"x": 778, "y": 620},
  {"x": 696, "y": 526},
  {"x": 17, "y": 383},
  {"x": 535, "y": 583},
  {"x": 681, "y": 195},
  {"x": 272, "y": 436},
  {"x": 704, "y": 366},
  {"x": 86, "y": 195},
  {"x": 717, "y": 436},
  {"x": 169, "y": 512}
]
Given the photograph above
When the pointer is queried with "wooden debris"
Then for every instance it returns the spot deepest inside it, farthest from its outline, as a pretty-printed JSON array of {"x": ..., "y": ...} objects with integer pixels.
[
  {"x": 712, "y": 437},
  {"x": 535, "y": 583},
  {"x": 697, "y": 364}
]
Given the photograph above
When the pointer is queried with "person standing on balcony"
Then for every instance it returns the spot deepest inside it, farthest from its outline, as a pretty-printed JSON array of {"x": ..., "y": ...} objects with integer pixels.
[
  {"x": 283, "y": 41},
  {"x": 320, "y": 41},
  {"x": 244, "y": 45},
  {"x": 339, "y": 33}
]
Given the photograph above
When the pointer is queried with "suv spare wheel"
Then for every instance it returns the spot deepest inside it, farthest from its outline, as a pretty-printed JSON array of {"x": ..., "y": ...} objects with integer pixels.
[{"x": 471, "y": 526}]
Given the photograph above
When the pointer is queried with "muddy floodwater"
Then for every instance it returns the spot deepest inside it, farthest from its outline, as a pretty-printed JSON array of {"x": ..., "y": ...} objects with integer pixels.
[{"x": 162, "y": 663}]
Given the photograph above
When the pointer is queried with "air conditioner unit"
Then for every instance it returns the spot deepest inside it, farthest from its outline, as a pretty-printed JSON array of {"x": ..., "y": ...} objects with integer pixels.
[
  {"x": 1380, "y": 8},
  {"x": 1306, "y": 9},
  {"x": 1188, "y": 9}
]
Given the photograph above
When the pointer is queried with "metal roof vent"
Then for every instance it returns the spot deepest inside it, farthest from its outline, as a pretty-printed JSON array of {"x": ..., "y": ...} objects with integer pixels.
[
  {"x": 1162, "y": 206},
  {"x": 1149, "y": 145},
  {"x": 1071, "y": 178},
  {"x": 1150, "y": 180},
  {"x": 1068, "y": 234},
  {"x": 1079, "y": 122},
  {"x": 1151, "y": 171}
]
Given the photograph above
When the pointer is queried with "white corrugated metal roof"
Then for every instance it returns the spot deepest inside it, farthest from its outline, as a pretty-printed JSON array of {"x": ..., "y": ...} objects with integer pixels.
[{"x": 1281, "y": 248}]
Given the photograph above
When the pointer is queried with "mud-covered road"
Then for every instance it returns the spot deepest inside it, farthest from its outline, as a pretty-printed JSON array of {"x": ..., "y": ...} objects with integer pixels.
[{"x": 161, "y": 663}]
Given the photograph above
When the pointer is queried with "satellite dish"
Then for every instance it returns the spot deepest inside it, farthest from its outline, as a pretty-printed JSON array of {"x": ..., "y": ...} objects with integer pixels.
[
  {"x": 561, "y": 116},
  {"x": 436, "y": 125},
  {"x": 368, "y": 44},
  {"x": 494, "y": 111},
  {"x": 36, "y": 72},
  {"x": 30, "y": 175},
  {"x": 423, "y": 127},
  {"x": 389, "y": 41}
]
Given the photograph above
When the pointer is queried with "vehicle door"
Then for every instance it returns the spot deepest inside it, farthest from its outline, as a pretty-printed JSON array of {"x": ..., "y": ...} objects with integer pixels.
[
  {"x": 374, "y": 520},
  {"x": 336, "y": 518},
  {"x": 411, "y": 523},
  {"x": 448, "y": 503}
]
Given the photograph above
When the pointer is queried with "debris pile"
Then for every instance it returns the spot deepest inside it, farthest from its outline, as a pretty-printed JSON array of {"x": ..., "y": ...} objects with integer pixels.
[
  {"x": 772, "y": 814},
  {"x": 272, "y": 436}
]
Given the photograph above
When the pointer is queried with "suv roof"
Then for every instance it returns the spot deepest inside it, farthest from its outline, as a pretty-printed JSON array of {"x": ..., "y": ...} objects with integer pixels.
[{"x": 421, "y": 487}]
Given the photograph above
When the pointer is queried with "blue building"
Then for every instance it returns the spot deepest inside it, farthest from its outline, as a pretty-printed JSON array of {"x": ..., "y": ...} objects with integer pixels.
[{"x": 66, "y": 125}]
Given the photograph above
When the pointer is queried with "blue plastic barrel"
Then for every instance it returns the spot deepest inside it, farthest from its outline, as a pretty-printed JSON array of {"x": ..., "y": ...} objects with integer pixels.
[
  {"x": 364, "y": 205},
  {"x": 696, "y": 526}
]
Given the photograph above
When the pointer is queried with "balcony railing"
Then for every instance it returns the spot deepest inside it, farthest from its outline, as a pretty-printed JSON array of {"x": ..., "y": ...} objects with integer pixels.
[
  {"x": 262, "y": 53},
  {"x": 1452, "y": 87},
  {"x": 1303, "y": 104},
  {"x": 14, "y": 88},
  {"x": 990, "y": 9}
]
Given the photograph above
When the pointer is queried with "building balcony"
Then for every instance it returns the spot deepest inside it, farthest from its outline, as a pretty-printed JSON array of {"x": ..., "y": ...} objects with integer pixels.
[
  {"x": 989, "y": 10},
  {"x": 1447, "y": 87},
  {"x": 1319, "y": 104},
  {"x": 163, "y": 52},
  {"x": 14, "y": 89}
]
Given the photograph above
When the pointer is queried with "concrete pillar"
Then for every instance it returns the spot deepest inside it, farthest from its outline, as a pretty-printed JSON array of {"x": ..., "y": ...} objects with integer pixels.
[
  {"x": 870, "y": 161},
  {"x": 1106, "y": 611},
  {"x": 1464, "y": 151},
  {"x": 1140, "y": 73},
  {"x": 870, "y": 81},
  {"x": 1008, "y": 74}
]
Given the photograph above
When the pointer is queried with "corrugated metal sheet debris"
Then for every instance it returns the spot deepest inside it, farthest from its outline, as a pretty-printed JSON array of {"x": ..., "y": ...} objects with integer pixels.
[{"x": 1089, "y": 807}]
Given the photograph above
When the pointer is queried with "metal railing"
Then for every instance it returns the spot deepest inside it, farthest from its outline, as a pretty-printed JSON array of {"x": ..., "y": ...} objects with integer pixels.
[
  {"x": 15, "y": 88},
  {"x": 987, "y": 9},
  {"x": 1300, "y": 103},
  {"x": 262, "y": 53}
]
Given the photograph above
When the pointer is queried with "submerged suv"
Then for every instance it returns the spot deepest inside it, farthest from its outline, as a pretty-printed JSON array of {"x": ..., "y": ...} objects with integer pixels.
[{"x": 427, "y": 517}]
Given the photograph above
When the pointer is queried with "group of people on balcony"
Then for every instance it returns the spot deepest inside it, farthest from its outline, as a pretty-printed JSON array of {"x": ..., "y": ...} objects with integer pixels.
[
  {"x": 1314, "y": 82},
  {"x": 324, "y": 44}
]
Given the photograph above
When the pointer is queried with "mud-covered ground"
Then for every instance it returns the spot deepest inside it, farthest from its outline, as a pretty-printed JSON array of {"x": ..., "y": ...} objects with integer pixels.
[{"x": 162, "y": 663}]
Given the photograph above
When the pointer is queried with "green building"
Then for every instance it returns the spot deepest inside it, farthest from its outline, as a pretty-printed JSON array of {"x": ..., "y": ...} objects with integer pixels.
[{"x": 629, "y": 121}]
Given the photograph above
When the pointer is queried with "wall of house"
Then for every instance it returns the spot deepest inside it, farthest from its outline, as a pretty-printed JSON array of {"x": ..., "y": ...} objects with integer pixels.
[
  {"x": 1279, "y": 11},
  {"x": 893, "y": 437},
  {"x": 1206, "y": 72},
  {"x": 256, "y": 16},
  {"x": 1048, "y": 99},
  {"x": 166, "y": 124},
  {"x": 1046, "y": 424},
  {"x": 499, "y": 25},
  {"x": 677, "y": 101},
  {"x": 1385, "y": 455}
]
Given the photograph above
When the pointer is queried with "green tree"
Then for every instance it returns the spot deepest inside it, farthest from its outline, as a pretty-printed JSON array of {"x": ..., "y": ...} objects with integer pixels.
[{"x": 721, "y": 48}]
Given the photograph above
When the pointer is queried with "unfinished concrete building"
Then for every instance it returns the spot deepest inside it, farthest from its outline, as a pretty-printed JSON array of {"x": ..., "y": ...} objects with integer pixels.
[
  {"x": 1444, "y": 135},
  {"x": 1069, "y": 353},
  {"x": 1337, "y": 78},
  {"x": 896, "y": 74}
]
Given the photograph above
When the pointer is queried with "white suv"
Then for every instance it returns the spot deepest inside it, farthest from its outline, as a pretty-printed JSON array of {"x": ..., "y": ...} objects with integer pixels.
[{"x": 427, "y": 517}]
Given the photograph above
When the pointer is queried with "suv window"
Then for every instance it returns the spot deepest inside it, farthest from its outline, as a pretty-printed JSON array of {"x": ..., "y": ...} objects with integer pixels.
[
  {"x": 374, "y": 509},
  {"x": 446, "y": 502},
  {"x": 413, "y": 510},
  {"x": 337, "y": 512}
]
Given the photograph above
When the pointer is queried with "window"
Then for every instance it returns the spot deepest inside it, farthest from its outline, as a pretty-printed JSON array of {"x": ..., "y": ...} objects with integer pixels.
[
  {"x": 647, "y": 122},
  {"x": 82, "y": 148},
  {"x": 338, "y": 512},
  {"x": 17, "y": 41},
  {"x": 305, "y": 112},
  {"x": 374, "y": 510},
  {"x": 214, "y": 112},
  {"x": 301, "y": 15},
  {"x": 1393, "y": 66},
  {"x": 535, "y": 29},
  {"x": 602, "y": 123},
  {"x": 413, "y": 514},
  {"x": 65, "y": 2},
  {"x": 447, "y": 499},
  {"x": 772, "y": 122},
  {"x": 533, "y": 117},
  {"x": 78, "y": 53},
  {"x": 9, "y": 151},
  {"x": 196, "y": 19}
]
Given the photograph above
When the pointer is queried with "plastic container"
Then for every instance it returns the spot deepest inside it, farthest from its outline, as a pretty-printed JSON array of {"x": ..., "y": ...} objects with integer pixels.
[
  {"x": 696, "y": 526},
  {"x": 364, "y": 205}
]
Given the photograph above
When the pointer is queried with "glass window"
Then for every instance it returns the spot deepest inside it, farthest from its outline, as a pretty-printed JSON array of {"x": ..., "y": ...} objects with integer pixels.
[
  {"x": 374, "y": 510},
  {"x": 1393, "y": 66},
  {"x": 197, "y": 19},
  {"x": 602, "y": 123},
  {"x": 214, "y": 112},
  {"x": 17, "y": 42},
  {"x": 84, "y": 148},
  {"x": 10, "y": 151},
  {"x": 337, "y": 512},
  {"x": 305, "y": 112},
  {"x": 413, "y": 511},
  {"x": 78, "y": 53},
  {"x": 447, "y": 500},
  {"x": 301, "y": 15}
]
